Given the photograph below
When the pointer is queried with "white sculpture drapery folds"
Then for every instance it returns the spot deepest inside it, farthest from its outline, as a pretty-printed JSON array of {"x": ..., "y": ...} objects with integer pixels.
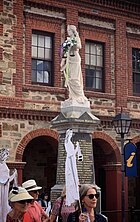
[
  {"x": 5, "y": 179},
  {"x": 71, "y": 174},
  {"x": 71, "y": 65}
]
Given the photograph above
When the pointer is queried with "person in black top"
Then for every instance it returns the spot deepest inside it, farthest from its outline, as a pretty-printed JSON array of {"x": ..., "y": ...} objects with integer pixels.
[
  {"x": 87, "y": 213},
  {"x": 45, "y": 202}
]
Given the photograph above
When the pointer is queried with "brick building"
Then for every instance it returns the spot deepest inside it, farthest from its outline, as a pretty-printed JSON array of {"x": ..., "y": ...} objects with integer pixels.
[{"x": 31, "y": 85}]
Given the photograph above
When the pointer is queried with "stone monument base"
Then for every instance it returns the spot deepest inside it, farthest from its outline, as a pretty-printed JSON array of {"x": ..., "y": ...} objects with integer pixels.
[
  {"x": 75, "y": 115},
  {"x": 78, "y": 117},
  {"x": 73, "y": 109}
]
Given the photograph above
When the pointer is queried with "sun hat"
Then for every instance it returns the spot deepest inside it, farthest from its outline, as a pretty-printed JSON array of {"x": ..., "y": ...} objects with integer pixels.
[
  {"x": 19, "y": 194},
  {"x": 30, "y": 185},
  {"x": 13, "y": 192}
]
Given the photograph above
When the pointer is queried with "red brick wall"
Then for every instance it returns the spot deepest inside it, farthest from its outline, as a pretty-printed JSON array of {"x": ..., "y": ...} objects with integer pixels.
[{"x": 18, "y": 53}]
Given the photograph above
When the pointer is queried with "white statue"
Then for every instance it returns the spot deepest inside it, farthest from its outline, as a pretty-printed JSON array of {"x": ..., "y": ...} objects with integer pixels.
[
  {"x": 5, "y": 179},
  {"x": 71, "y": 65},
  {"x": 71, "y": 174}
]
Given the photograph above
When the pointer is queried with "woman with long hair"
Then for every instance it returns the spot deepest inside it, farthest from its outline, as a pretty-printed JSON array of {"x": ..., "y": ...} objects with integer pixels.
[{"x": 87, "y": 212}]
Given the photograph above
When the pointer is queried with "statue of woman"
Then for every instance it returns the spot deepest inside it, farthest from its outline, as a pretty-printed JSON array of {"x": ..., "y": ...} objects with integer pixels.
[
  {"x": 71, "y": 65},
  {"x": 5, "y": 179}
]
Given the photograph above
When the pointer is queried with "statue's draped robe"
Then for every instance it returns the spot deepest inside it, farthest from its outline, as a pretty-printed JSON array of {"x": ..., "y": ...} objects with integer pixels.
[
  {"x": 75, "y": 81},
  {"x": 73, "y": 73},
  {"x": 5, "y": 180}
]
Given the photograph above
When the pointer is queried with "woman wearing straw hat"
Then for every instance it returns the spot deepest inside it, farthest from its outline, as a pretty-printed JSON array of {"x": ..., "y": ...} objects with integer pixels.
[
  {"x": 35, "y": 212},
  {"x": 19, "y": 199}
]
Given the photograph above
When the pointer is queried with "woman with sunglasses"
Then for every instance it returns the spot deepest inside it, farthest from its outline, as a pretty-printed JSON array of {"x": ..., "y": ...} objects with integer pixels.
[
  {"x": 19, "y": 199},
  {"x": 87, "y": 213}
]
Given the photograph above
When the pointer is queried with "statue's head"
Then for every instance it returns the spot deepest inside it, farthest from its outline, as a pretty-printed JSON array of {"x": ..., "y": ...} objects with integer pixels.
[
  {"x": 69, "y": 133},
  {"x": 4, "y": 154},
  {"x": 71, "y": 29}
]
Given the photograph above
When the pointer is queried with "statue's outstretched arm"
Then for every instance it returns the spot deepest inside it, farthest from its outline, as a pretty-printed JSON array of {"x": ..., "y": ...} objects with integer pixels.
[{"x": 13, "y": 176}]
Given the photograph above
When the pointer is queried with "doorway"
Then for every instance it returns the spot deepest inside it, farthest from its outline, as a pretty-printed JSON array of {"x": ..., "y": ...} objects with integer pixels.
[{"x": 40, "y": 156}]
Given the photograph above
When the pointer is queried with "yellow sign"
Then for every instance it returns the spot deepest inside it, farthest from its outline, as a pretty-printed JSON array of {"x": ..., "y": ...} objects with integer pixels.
[{"x": 130, "y": 159}]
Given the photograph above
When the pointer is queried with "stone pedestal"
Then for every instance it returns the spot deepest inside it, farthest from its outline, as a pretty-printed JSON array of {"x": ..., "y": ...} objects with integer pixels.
[{"x": 79, "y": 118}]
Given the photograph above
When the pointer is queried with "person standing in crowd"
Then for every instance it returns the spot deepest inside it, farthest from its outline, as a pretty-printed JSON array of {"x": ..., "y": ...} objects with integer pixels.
[
  {"x": 19, "y": 200},
  {"x": 60, "y": 211},
  {"x": 45, "y": 202},
  {"x": 88, "y": 198},
  {"x": 35, "y": 211}
]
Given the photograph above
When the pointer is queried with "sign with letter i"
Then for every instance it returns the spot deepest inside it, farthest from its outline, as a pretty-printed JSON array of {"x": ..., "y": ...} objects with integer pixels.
[{"x": 130, "y": 160}]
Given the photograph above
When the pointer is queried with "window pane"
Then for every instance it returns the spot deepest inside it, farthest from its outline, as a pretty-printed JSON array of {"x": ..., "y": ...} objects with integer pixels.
[
  {"x": 46, "y": 77},
  {"x": 138, "y": 65},
  {"x": 134, "y": 68},
  {"x": 47, "y": 66},
  {"x": 41, "y": 53},
  {"x": 34, "y": 64},
  {"x": 93, "y": 49},
  {"x": 39, "y": 76},
  {"x": 136, "y": 88},
  {"x": 87, "y": 48},
  {"x": 99, "y": 61},
  {"x": 39, "y": 65},
  {"x": 87, "y": 59},
  {"x": 138, "y": 54},
  {"x": 34, "y": 39},
  {"x": 134, "y": 77},
  {"x": 90, "y": 83},
  {"x": 98, "y": 84},
  {"x": 48, "y": 54},
  {"x": 93, "y": 60},
  {"x": 34, "y": 51},
  {"x": 137, "y": 78},
  {"x": 99, "y": 50},
  {"x": 98, "y": 74},
  {"x": 48, "y": 43},
  {"x": 41, "y": 40}
]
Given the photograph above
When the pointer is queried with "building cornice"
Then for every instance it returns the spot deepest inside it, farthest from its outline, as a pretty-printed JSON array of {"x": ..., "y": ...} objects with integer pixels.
[
  {"x": 25, "y": 114},
  {"x": 121, "y": 5}
]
